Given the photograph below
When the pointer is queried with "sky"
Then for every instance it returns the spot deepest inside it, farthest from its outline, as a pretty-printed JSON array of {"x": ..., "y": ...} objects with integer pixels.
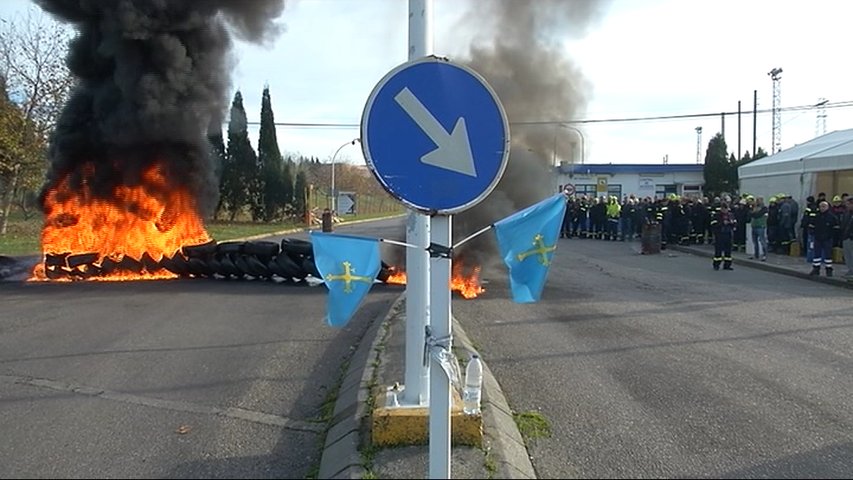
[{"x": 639, "y": 58}]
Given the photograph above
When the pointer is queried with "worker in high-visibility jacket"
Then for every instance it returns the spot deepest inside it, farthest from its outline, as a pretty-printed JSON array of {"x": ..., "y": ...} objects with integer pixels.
[{"x": 613, "y": 211}]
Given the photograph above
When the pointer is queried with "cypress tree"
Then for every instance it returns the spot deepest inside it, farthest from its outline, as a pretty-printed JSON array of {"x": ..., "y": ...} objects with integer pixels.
[
  {"x": 270, "y": 194},
  {"x": 239, "y": 173},
  {"x": 218, "y": 159},
  {"x": 300, "y": 194}
]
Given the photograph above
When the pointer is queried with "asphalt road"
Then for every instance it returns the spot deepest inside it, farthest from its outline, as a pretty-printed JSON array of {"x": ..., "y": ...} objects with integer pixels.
[
  {"x": 645, "y": 366},
  {"x": 658, "y": 366},
  {"x": 170, "y": 379}
]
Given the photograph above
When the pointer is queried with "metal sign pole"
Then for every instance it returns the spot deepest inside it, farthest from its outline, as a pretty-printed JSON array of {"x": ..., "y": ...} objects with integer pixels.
[
  {"x": 416, "y": 377},
  {"x": 439, "y": 386},
  {"x": 454, "y": 109}
]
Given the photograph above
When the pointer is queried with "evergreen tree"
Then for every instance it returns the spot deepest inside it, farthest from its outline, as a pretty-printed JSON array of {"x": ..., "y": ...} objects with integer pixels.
[
  {"x": 287, "y": 186},
  {"x": 300, "y": 193},
  {"x": 272, "y": 186},
  {"x": 717, "y": 167},
  {"x": 732, "y": 177},
  {"x": 218, "y": 159},
  {"x": 239, "y": 173},
  {"x": 760, "y": 154}
]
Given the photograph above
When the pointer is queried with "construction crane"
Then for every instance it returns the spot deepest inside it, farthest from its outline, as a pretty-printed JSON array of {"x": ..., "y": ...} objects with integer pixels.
[{"x": 776, "y": 76}]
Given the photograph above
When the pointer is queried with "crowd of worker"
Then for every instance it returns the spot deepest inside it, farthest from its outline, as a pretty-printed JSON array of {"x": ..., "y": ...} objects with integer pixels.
[{"x": 778, "y": 226}]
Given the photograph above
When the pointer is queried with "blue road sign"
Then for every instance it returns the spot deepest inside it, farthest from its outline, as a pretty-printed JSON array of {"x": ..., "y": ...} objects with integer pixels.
[{"x": 435, "y": 135}]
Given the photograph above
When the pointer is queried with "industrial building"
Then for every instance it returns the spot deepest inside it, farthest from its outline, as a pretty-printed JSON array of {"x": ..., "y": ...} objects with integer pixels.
[{"x": 623, "y": 180}]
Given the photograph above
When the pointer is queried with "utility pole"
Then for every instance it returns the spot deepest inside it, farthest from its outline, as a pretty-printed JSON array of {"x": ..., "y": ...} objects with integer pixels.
[
  {"x": 698, "y": 145},
  {"x": 776, "y": 76},
  {"x": 820, "y": 128},
  {"x": 738, "y": 130},
  {"x": 754, "y": 120}
]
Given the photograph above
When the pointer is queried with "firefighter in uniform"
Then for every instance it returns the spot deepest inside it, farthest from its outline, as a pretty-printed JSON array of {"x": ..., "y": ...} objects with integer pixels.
[
  {"x": 697, "y": 220},
  {"x": 723, "y": 225},
  {"x": 662, "y": 217},
  {"x": 713, "y": 210},
  {"x": 808, "y": 215},
  {"x": 566, "y": 226}
]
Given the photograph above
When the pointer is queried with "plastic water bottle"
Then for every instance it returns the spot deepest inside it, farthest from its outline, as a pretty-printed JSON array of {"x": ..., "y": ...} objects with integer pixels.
[{"x": 473, "y": 390}]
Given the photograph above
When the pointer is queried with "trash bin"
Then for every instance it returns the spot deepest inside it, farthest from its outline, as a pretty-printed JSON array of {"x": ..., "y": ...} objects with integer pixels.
[
  {"x": 650, "y": 238},
  {"x": 327, "y": 220}
]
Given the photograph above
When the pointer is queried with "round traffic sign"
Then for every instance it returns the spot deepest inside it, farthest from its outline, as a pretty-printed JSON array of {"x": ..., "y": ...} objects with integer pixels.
[{"x": 435, "y": 135}]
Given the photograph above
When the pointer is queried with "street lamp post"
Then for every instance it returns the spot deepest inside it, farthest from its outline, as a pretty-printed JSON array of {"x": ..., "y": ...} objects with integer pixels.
[
  {"x": 332, "y": 190},
  {"x": 580, "y": 135}
]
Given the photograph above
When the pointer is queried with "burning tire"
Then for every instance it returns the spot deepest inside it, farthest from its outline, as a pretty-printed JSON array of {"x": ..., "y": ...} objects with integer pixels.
[
  {"x": 200, "y": 251},
  {"x": 296, "y": 247},
  {"x": 286, "y": 268},
  {"x": 261, "y": 249},
  {"x": 74, "y": 261},
  {"x": 228, "y": 268},
  {"x": 176, "y": 264}
]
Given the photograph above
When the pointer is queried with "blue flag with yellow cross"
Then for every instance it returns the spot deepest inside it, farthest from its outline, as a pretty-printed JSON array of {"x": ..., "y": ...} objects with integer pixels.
[
  {"x": 527, "y": 240},
  {"x": 348, "y": 265}
]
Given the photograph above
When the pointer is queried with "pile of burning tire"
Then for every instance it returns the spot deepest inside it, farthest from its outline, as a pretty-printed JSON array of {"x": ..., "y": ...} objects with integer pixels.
[{"x": 290, "y": 261}]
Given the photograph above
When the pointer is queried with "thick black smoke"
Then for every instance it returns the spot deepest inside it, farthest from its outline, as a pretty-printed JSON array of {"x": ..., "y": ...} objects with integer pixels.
[
  {"x": 518, "y": 48},
  {"x": 151, "y": 76}
]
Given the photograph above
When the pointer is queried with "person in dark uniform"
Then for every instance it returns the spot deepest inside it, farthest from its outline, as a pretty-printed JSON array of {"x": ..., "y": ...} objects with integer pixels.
[
  {"x": 579, "y": 218},
  {"x": 697, "y": 220},
  {"x": 723, "y": 225},
  {"x": 566, "y": 226},
  {"x": 809, "y": 212},
  {"x": 662, "y": 217},
  {"x": 823, "y": 227},
  {"x": 713, "y": 209},
  {"x": 741, "y": 214},
  {"x": 773, "y": 226}
]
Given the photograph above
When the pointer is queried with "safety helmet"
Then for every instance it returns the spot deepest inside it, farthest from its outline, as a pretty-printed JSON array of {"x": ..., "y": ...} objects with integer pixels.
[
  {"x": 772, "y": 199},
  {"x": 836, "y": 199}
]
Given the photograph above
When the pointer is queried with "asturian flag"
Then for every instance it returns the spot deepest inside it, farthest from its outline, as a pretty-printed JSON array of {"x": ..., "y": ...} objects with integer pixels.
[
  {"x": 527, "y": 240},
  {"x": 348, "y": 265}
]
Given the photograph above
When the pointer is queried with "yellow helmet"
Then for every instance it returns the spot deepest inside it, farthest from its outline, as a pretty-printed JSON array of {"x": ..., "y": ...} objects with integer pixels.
[
  {"x": 772, "y": 199},
  {"x": 836, "y": 198}
]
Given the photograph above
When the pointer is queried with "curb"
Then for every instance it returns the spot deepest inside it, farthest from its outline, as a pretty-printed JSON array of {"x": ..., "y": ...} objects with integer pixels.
[
  {"x": 341, "y": 457},
  {"x": 500, "y": 432},
  {"x": 838, "y": 282}
]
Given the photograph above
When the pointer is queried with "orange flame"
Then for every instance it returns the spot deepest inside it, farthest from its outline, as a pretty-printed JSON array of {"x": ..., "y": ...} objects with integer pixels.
[
  {"x": 468, "y": 285},
  {"x": 153, "y": 217}
]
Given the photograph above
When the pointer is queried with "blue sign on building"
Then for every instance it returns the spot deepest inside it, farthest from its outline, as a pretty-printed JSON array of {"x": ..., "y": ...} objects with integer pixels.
[{"x": 435, "y": 135}]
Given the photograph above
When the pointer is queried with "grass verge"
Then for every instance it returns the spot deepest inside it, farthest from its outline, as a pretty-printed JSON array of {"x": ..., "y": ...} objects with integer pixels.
[{"x": 532, "y": 425}]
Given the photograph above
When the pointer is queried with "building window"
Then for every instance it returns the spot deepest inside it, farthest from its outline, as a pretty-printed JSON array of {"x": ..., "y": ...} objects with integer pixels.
[
  {"x": 662, "y": 191},
  {"x": 588, "y": 190},
  {"x": 692, "y": 191},
  {"x": 614, "y": 191}
]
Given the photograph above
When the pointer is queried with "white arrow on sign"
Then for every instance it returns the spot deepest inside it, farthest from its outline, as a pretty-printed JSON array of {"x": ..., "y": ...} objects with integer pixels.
[{"x": 454, "y": 150}]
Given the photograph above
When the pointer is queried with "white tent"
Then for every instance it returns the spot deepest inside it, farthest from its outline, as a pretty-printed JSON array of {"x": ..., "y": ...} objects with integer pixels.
[{"x": 823, "y": 164}]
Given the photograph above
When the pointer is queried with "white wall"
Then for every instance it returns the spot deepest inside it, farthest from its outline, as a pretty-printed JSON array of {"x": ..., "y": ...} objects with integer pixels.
[{"x": 637, "y": 184}]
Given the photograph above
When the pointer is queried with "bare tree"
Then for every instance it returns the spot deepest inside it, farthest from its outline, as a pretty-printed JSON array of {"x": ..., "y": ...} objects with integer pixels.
[{"x": 33, "y": 49}]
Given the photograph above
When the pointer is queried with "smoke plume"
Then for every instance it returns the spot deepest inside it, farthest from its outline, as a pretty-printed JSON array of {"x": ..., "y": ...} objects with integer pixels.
[
  {"x": 152, "y": 75},
  {"x": 519, "y": 50}
]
